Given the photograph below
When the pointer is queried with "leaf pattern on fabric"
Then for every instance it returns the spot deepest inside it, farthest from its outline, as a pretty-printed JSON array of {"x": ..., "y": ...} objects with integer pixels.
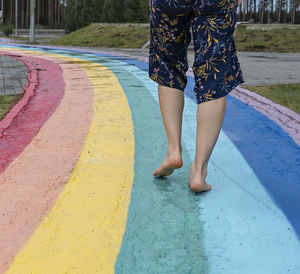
[{"x": 216, "y": 67}]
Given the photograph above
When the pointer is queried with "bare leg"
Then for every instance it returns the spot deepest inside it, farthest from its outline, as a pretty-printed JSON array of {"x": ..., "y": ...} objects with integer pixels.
[
  {"x": 171, "y": 103},
  {"x": 210, "y": 116}
]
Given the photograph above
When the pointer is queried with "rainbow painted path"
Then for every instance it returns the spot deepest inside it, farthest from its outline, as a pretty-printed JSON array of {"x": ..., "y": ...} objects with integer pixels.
[{"x": 77, "y": 195}]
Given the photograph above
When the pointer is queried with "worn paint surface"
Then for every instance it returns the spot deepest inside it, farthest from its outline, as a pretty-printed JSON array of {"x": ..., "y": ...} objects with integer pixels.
[
  {"x": 88, "y": 220},
  {"x": 241, "y": 231},
  {"x": 44, "y": 92},
  {"x": 233, "y": 229},
  {"x": 30, "y": 185}
]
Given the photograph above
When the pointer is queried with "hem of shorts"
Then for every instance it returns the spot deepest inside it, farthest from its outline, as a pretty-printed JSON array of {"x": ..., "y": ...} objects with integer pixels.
[
  {"x": 166, "y": 84},
  {"x": 241, "y": 81}
]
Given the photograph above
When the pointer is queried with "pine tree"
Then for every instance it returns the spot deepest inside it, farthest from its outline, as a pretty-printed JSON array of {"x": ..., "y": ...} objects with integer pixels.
[
  {"x": 70, "y": 19},
  {"x": 113, "y": 11},
  {"x": 132, "y": 11},
  {"x": 80, "y": 13},
  {"x": 136, "y": 11},
  {"x": 144, "y": 5}
]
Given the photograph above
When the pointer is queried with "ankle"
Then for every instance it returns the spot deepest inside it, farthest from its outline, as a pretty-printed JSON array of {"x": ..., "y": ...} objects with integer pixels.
[
  {"x": 199, "y": 171},
  {"x": 175, "y": 150}
]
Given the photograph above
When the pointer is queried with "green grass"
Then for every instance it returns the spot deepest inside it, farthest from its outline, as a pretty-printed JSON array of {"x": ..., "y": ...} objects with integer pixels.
[
  {"x": 274, "y": 40},
  {"x": 281, "y": 39},
  {"x": 7, "y": 102},
  {"x": 113, "y": 35},
  {"x": 22, "y": 38},
  {"x": 285, "y": 95}
]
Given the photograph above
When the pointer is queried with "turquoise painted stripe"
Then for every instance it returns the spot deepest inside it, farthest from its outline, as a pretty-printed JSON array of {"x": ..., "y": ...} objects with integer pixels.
[
  {"x": 163, "y": 232},
  {"x": 250, "y": 234},
  {"x": 244, "y": 231}
]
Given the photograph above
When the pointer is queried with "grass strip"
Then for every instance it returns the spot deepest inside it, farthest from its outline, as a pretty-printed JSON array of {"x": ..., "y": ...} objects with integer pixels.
[
  {"x": 281, "y": 39},
  {"x": 287, "y": 95},
  {"x": 7, "y": 102},
  {"x": 273, "y": 40},
  {"x": 112, "y": 35}
]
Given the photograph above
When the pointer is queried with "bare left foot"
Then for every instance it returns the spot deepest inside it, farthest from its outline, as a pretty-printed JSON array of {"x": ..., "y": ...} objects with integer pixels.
[
  {"x": 170, "y": 163},
  {"x": 197, "y": 182}
]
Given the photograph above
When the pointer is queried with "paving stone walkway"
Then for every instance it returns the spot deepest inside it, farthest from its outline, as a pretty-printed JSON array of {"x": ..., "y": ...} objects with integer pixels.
[
  {"x": 13, "y": 75},
  {"x": 259, "y": 68}
]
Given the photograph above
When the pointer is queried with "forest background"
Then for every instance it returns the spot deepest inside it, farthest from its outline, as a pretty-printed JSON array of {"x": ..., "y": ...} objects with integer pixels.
[
  {"x": 74, "y": 14},
  {"x": 80, "y": 13}
]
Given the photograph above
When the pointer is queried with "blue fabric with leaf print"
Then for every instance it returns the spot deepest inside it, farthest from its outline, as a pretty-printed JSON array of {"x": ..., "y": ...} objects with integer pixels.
[{"x": 216, "y": 67}]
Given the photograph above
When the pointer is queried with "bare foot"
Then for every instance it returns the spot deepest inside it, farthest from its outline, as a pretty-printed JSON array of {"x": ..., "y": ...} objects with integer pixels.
[
  {"x": 197, "y": 183},
  {"x": 171, "y": 162}
]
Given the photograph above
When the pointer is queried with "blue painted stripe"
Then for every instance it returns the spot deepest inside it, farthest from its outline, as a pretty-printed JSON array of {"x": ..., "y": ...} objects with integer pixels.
[
  {"x": 241, "y": 222},
  {"x": 253, "y": 215},
  {"x": 162, "y": 232},
  {"x": 270, "y": 152},
  {"x": 277, "y": 164}
]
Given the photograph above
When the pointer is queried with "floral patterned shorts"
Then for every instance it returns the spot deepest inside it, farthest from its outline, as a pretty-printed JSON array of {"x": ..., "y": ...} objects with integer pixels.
[{"x": 216, "y": 67}]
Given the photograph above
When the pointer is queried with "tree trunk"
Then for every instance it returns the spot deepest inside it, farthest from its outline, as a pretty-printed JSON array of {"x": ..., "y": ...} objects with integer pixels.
[
  {"x": 32, "y": 20},
  {"x": 244, "y": 9},
  {"x": 22, "y": 19},
  {"x": 240, "y": 12},
  {"x": 50, "y": 21},
  {"x": 38, "y": 11},
  {"x": 247, "y": 9},
  {"x": 272, "y": 10},
  {"x": 278, "y": 10},
  {"x": 250, "y": 9},
  {"x": 268, "y": 11},
  {"x": 294, "y": 11},
  {"x": 16, "y": 17},
  {"x": 28, "y": 12},
  {"x": 286, "y": 11},
  {"x": 262, "y": 7}
]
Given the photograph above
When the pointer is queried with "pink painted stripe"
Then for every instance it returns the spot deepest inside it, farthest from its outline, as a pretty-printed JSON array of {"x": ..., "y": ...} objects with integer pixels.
[
  {"x": 44, "y": 91},
  {"x": 30, "y": 185},
  {"x": 287, "y": 119}
]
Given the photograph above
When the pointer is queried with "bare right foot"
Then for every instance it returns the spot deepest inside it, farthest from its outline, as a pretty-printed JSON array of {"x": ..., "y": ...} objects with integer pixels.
[
  {"x": 171, "y": 162},
  {"x": 197, "y": 182}
]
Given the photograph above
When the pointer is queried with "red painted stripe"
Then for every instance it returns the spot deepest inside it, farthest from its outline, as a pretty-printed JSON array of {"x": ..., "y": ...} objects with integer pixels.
[
  {"x": 29, "y": 92},
  {"x": 44, "y": 91}
]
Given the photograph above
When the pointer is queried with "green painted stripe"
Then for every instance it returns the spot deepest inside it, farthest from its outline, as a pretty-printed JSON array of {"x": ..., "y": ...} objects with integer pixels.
[
  {"x": 163, "y": 232},
  {"x": 83, "y": 231}
]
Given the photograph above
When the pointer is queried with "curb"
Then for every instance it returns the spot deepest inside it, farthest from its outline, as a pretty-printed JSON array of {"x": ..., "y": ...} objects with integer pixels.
[
  {"x": 29, "y": 89},
  {"x": 286, "y": 118},
  {"x": 44, "y": 92}
]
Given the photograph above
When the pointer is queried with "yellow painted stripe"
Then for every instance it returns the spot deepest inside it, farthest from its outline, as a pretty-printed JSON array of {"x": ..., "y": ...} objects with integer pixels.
[{"x": 83, "y": 231}]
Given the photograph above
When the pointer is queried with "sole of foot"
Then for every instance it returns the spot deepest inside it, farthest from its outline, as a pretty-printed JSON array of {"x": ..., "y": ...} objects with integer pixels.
[
  {"x": 167, "y": 169},
  {"x": 197, "y": 185},
  {"x": 202, "y": 187}
]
